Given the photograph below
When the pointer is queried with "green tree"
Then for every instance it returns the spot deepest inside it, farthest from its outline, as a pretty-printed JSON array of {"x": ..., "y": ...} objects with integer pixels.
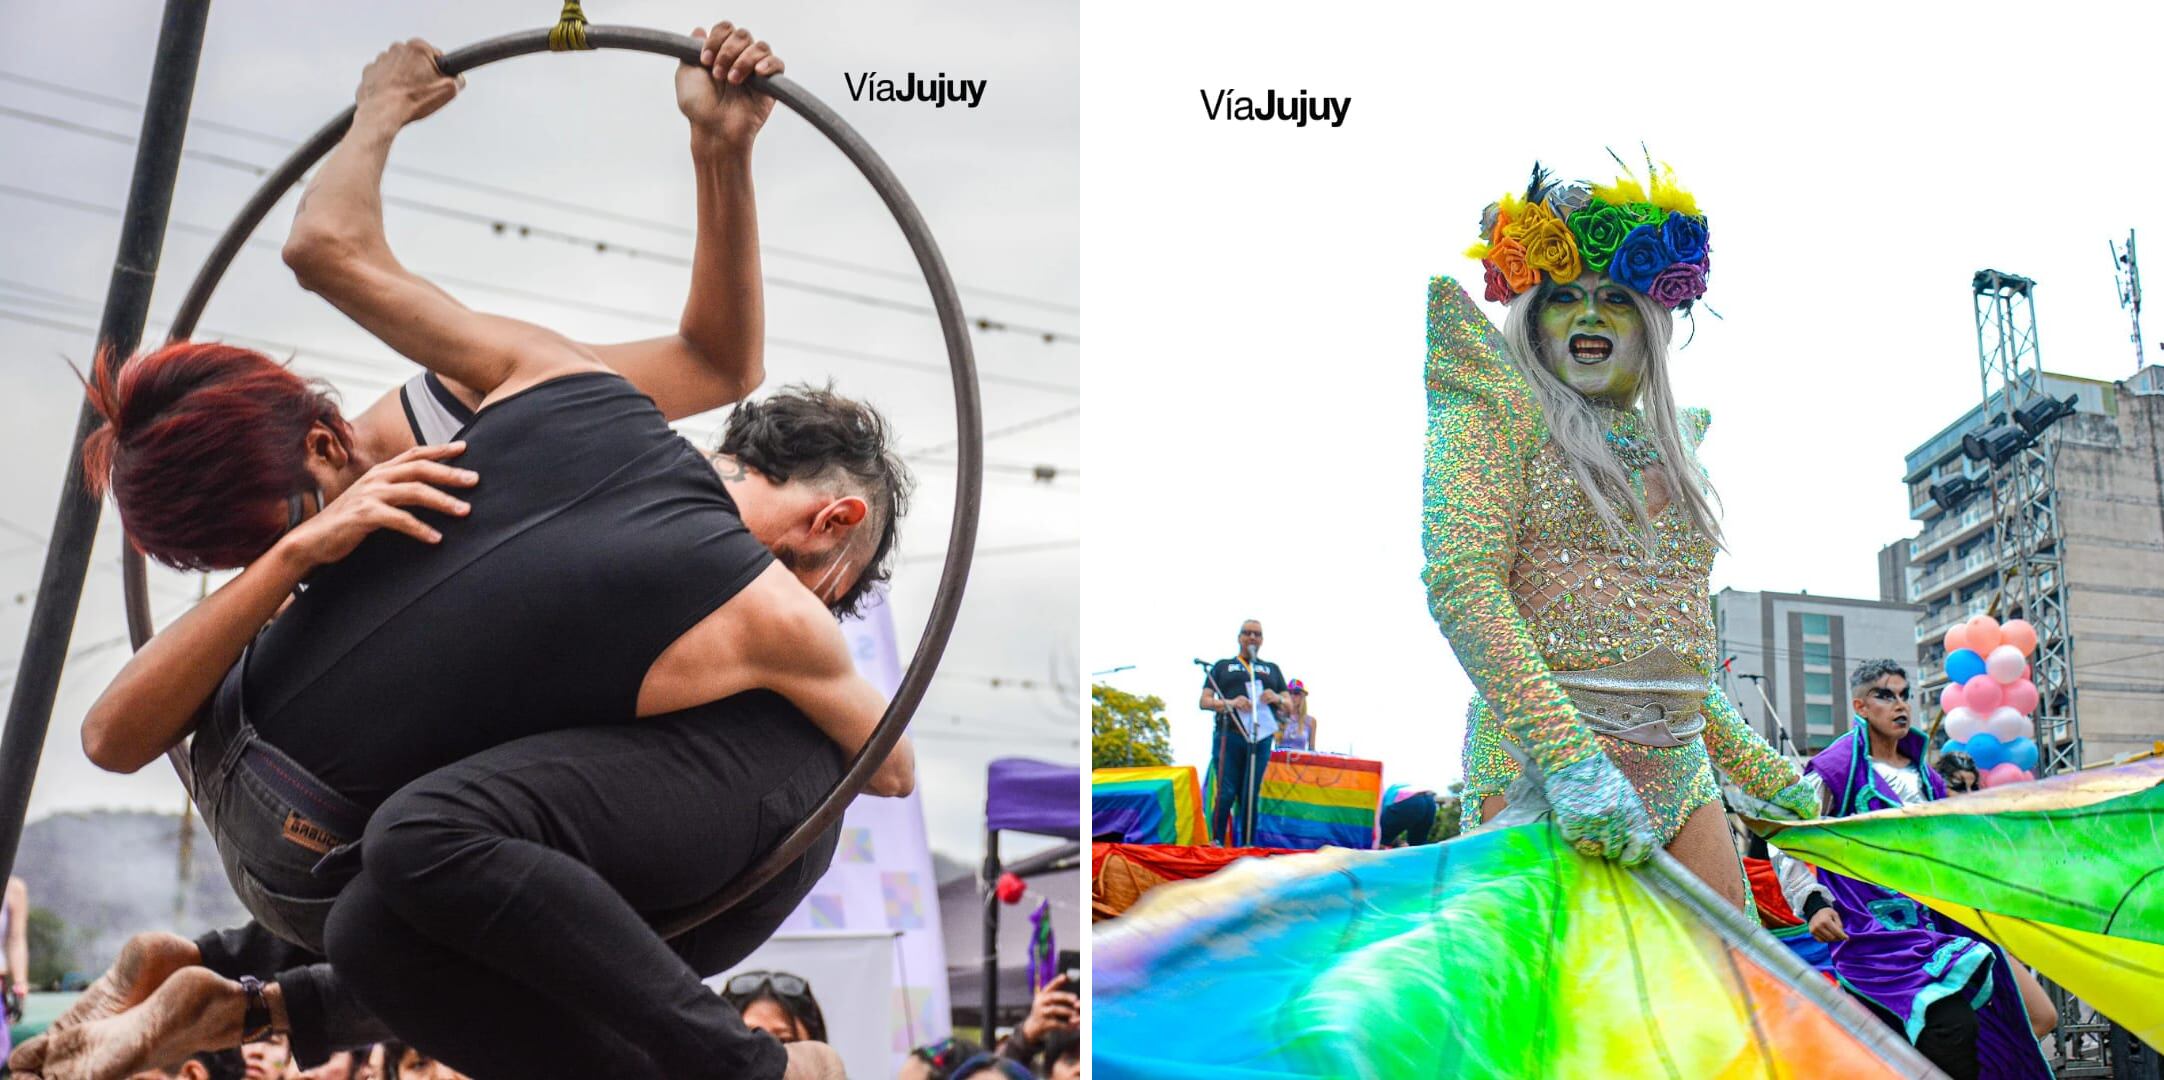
[
  {"x": 1127, "y": 731},
  {"x": 52, "y": 947}
]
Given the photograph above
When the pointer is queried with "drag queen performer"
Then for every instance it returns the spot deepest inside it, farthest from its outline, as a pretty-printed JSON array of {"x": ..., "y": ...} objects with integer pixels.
[{"x": 1570, "y": 530}]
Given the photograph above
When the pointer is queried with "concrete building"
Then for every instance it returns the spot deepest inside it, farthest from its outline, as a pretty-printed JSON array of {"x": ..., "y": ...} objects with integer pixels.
[
  {"x": 2109, "y": 494},
  {"x": 1893, "y": 572},
  {"x": 1804, "y": 647}
]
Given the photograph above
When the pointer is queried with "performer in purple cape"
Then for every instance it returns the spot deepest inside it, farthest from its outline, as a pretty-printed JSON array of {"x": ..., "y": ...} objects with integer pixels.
[{"x": 1958, "y": 998}]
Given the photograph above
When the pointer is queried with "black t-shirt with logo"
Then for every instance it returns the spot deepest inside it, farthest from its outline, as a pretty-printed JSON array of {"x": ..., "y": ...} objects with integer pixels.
[{"x": 1228, "y": 679}]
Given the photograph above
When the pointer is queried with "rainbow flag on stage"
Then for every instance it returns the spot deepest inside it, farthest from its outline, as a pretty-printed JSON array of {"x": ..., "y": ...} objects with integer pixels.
[
  {"x": 1502, "y": 953},
  {"x": 2067, "y": 873},
  {"x": 1318, "y": 800},
  {"x": 1153, "y": 805}
]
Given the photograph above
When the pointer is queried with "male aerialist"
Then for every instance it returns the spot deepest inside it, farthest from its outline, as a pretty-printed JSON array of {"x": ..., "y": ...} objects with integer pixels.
[
  {"x": 1963, "y": 1002},
  {"x": 494, "y": 912},
  {"x": 1240, "y": 747}
]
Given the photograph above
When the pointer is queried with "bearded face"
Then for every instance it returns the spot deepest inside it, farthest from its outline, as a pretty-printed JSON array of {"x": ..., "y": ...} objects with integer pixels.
[{"x": 1593, "y": 339}]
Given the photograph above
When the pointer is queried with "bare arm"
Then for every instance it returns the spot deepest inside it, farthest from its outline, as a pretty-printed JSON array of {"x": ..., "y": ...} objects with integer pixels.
[
  {"x": 156, "y": 699},
  {"x": 18, "y": 946},
  {"x": 717, "y": 355},
  {"x": 337, "y": 248},
  {"x": 775, "y": 635}
]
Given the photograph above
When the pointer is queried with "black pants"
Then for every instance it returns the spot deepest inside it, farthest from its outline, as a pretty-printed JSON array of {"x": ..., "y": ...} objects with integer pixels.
[
  {"x": 500, "y": 919},
  {"x": 1230, "y": 755},
  {"x": 1948, "y": 1037}
]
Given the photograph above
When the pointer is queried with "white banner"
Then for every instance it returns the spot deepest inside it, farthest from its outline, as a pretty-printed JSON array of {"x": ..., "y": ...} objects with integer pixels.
[{"x": 882, "y": 880}]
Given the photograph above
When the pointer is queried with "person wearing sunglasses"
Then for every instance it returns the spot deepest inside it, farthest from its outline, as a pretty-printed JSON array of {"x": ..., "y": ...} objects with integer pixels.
[
  {"x": 1968, "y": 1006},
  {"x": 1297, "y": 731},
  {"x": 777, "y": 1003}
]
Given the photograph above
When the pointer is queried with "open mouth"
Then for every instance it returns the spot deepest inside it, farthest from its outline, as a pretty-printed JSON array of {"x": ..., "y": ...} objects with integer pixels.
[{"x": 1590, "y": 348}]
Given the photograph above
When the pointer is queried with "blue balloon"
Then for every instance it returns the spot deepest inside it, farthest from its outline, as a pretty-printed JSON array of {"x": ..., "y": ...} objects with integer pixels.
[
  {"x": 2022, "y": 752},
  {"x": 1963, "y": 665},
  {"x": 1987, "y": 750},
  {"x": 1953, "y": 748}
]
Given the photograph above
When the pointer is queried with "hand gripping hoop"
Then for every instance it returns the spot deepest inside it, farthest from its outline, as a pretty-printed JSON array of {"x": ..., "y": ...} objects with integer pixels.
[{"x": 968, "y": 414}]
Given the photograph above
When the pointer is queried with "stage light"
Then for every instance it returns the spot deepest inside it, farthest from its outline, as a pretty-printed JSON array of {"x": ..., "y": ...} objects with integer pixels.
[
  {"x": 1952, "y": 493},
  {"x": 1995, "y": 444},
  {"x": 2042, "y": 413}
]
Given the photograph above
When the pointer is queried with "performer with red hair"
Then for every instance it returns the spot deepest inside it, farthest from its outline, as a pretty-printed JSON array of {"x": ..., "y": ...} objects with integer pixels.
[{"x": 424, "y": 769}]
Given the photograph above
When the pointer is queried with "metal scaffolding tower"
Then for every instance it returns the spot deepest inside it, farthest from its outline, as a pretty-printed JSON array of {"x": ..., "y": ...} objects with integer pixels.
[{"x": 2025, "y": 517}]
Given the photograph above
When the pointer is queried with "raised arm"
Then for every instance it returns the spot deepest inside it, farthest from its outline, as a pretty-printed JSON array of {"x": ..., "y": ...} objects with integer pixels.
[
  {"x": 337, "y": 248},
  {"x": 717, "y": 355}
]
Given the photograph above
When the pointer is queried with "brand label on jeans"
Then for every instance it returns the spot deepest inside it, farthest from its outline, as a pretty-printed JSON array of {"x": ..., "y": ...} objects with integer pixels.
[
  {"x": 310, "y": 835},
  {"x": 936, "y": 91}
]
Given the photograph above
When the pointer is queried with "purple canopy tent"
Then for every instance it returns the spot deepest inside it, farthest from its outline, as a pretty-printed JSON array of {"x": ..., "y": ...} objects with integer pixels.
[{"x": 1022, "y": 795}]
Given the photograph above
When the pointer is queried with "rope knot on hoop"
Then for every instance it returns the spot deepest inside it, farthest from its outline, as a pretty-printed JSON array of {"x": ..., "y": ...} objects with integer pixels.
[{"x": 570, "y": 30}]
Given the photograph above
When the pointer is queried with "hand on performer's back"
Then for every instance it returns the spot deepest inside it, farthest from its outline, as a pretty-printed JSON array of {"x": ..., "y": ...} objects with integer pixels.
[{"x": 381, "y": 499}]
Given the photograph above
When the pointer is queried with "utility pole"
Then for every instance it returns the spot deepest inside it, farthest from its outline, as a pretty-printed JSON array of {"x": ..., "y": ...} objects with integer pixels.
[
  {"x": 2126, "y": 273},
  {"x": 120, "y": 330}
]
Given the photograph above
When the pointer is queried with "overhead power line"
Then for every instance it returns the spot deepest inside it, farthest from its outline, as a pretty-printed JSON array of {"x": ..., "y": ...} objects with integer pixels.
[
  {"x": 603, "y": 245},
  {"x": 670, "y": 227},
  {"x": 457, "y": 281}
]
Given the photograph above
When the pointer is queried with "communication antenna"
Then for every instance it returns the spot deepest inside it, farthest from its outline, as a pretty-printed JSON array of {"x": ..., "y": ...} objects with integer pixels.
[{"x": 2128, "y": 275}]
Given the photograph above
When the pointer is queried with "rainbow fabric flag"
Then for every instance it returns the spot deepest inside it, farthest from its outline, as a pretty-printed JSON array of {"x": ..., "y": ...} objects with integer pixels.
[
  {"x": 1154, "y": 805},
  {"x": 1499, "y": 954},
  {"x": 2066, "y": 873},
  {"x": 1318, "y": 800}
]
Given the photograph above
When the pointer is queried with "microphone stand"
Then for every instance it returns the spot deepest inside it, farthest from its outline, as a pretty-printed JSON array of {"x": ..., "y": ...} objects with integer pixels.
[{"x": 1247, "y": 732}]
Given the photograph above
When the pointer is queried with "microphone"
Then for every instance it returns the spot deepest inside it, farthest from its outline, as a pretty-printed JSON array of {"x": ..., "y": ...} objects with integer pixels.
[{"x": 1203, "y": 663}]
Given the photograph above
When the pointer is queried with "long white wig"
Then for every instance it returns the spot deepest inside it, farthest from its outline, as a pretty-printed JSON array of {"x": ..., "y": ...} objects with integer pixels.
[{"x": 1580, "y": 430}]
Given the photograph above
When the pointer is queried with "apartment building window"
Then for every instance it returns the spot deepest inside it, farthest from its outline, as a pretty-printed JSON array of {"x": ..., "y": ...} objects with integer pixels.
[{"x": 1818, "y": 684}]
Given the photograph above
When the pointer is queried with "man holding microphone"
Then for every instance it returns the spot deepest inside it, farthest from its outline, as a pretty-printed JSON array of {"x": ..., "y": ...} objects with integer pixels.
[{"x": 1244, "y": 691}]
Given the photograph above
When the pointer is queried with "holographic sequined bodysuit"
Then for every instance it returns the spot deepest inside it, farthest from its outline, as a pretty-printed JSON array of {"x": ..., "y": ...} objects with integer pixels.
[{"x": 1577, "y": 640}]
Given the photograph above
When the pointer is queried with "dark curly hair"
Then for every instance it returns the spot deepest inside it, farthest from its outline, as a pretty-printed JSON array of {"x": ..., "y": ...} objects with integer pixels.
[{"x": 815, "y": 436}]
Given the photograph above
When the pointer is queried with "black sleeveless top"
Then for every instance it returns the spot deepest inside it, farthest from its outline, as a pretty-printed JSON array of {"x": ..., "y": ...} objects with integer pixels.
[{"x": 597, "y": 537}]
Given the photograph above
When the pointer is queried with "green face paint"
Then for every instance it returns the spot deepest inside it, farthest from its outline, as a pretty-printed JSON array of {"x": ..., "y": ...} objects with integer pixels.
[{"x": 1592, "y": 338}]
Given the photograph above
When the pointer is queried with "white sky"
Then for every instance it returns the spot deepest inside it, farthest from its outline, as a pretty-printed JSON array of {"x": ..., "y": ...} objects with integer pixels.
[
  {"x": 999, "y": 185},
  {"x": 1257, "y": 290}
]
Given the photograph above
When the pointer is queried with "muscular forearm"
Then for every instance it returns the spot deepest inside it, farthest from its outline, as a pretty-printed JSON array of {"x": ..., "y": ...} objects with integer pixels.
[
  {"x": 341, "y": 212},
  {"x": 725, "y": 314},
  {"x": 154, "y": 701}
]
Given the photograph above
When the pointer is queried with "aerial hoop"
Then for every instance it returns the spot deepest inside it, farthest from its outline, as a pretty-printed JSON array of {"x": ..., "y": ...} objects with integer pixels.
[{"x": 968, "y": 414}]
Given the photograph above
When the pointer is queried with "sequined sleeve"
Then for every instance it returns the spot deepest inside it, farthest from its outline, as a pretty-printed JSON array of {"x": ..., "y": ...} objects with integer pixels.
[
  {"x": 1739, "y": 751},
  {"x": 1483, "y": 426}
]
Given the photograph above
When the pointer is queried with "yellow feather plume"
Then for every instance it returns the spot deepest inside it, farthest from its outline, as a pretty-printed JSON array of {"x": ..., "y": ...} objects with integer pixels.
[
  {"x": 1669, "y": 195},
  {"x": 1625, "y": 190}
]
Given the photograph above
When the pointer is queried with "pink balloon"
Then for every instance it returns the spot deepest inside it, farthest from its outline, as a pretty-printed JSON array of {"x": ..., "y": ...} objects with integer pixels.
[
  {"x": 2021, "y": 697},
  {"x": 2004, "y": 664},
  {"x": 2006, "y": 724},
  {"x": 1983, "y": 634},
  {"x": 1982, "y": 694},
  {"x": 2005, "y": 772},
  {"x": 1957, "y": 637},
  {"x": 2028, "y": 671},
  {"x": 2027, "y": 775},
  {"x": 1950, "y": 698},
  {"x": 1962, "y": 723},
  {"x": 2019, "y": 634}
]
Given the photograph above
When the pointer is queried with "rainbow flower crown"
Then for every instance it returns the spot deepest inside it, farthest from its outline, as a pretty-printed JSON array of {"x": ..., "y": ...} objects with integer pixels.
[{"x": 1653, "y": 242}]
